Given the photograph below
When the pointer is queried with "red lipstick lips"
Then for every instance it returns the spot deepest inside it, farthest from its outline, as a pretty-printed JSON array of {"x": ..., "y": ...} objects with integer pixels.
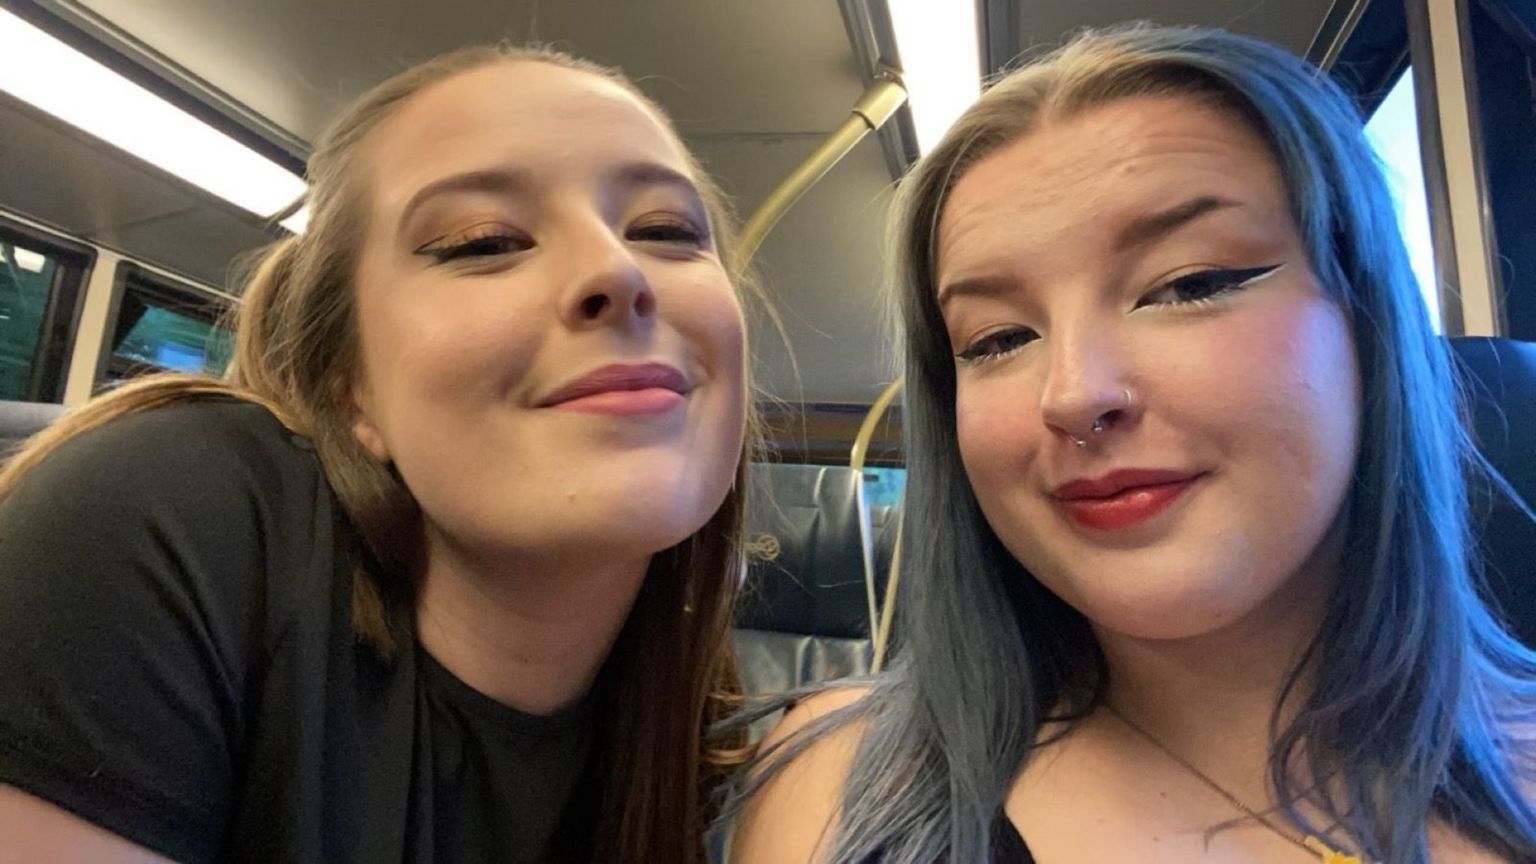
[
  {"x": 620, "y": 389},
  {"x": 1123, "y": 498}
]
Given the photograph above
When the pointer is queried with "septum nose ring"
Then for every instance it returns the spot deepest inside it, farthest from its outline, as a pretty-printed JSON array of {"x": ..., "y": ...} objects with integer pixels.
[{"x": 1098, "y": 424}]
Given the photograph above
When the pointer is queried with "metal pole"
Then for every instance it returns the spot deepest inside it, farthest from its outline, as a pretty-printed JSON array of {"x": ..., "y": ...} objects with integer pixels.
[{"x": 870, "y": 113}]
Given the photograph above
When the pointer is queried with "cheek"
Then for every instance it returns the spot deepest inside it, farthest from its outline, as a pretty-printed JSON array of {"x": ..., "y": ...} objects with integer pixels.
[
  {"x": 705, "y": 311},
  {"x": 998, "y": 429},
  {"x": 717, "y": 333},
  {"x": 434, "y": 346},
  {"x": 1284, "y": 407}
]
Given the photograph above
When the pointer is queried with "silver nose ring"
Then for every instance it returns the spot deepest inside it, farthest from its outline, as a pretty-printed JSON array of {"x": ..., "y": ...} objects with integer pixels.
[{"x": 1098, "y": 425}]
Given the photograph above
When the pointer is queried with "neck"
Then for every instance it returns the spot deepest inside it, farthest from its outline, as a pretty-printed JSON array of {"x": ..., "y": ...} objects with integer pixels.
[
  {"x": 530, "y": 631},
  {"x": 1212, "y": 698}
]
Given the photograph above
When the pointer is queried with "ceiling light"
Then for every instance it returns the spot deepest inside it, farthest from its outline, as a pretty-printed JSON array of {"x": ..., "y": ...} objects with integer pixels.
[
  {"x": 940, "y": 62},
  {"x": 26, "y": 259},
  {"x": 50, "y": 75}
]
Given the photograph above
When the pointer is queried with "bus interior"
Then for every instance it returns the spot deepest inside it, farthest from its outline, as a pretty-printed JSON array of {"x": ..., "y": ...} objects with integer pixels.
[{"x": 121, "y": 256}]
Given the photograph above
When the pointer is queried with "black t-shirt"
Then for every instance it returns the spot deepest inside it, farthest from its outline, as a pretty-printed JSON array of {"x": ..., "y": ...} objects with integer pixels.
[{"x": 177, "y": 665}]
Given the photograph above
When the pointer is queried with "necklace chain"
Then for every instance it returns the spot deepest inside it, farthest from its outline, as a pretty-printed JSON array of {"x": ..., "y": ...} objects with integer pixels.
[{"x": 1312, "y": 845}]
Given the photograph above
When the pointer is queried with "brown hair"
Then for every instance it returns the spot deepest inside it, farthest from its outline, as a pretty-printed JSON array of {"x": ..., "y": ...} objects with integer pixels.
[{"x": 670, "y": 673}]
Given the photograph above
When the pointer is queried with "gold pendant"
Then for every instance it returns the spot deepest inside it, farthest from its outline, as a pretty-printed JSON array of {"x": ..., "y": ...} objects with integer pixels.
[{"x": 1329, "y": 855}]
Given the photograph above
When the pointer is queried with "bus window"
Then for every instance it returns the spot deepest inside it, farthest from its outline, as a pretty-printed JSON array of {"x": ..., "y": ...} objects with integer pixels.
[
  {"x": 162, "y": 326},
  {"x": 883, "y": 486},
  {"x": 25, "y": 282},
  {"x": 1393, "y": 131},
  {"x": 40, "y": 286}
]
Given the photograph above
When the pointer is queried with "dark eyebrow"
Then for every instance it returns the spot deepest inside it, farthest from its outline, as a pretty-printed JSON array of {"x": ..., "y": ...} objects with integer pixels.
[
  {"x": 497, "y": 181},
  {"x": 1144, "y": 229},
  {"x": 979, "y": 286},
  {"x": 1138, "y": 232}
]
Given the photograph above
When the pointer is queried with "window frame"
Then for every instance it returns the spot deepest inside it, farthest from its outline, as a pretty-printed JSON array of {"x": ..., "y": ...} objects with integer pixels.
[
  {"x": 61, "y": 314},
  {"x": 163, "y": 291}
]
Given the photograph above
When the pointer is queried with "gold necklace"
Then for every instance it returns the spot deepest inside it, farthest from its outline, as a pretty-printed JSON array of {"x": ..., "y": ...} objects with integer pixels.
[{"x": 1326, "y": 854}]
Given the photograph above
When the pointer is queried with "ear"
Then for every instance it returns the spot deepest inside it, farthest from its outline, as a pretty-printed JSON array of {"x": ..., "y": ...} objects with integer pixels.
[{"x": 363, "y": 428}]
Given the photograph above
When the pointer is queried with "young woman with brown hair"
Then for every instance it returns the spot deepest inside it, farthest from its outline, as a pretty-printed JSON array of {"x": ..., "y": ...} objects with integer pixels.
[{"x": 442, "y": 570}]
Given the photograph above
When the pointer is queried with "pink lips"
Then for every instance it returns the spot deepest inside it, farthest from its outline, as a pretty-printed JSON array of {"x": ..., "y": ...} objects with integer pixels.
[
  {"x": 621, "y": 389},
  {"x": 1123, "y": 498}
]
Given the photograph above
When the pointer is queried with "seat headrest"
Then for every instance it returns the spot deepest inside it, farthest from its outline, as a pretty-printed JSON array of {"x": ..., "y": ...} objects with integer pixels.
[
  {"x": 21, "y": 420},
  {"x": 805, "y": 572}
]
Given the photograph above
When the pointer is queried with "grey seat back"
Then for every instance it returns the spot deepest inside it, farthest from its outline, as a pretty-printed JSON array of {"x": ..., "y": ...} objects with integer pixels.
[
  {"x": 21, "y": 420},
  {"x": 803, "y": 615}
]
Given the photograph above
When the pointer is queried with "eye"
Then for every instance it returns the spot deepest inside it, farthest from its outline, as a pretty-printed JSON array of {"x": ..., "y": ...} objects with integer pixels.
[
  {"x": 998, "y": 344},
  {"x": 1205, "y": 285},
  {"x": 479, "y": 242},
  {"x": 670, "y": 231}
]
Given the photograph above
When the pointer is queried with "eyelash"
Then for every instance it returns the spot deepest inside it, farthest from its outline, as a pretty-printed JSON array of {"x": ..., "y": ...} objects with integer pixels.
[
  {"x": 1212, "y": 284},
  {"x": 497, "y": 240},
  {"x": 475, "y": 243},
  {"x": 669, "y": 232}
]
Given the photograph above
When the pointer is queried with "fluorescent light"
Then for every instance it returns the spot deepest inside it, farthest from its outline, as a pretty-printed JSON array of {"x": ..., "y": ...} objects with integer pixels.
[
  {"x": 940, "y": 62},
  {"x": 46, "y": 73},
  {"x": 26, "y": 259}
]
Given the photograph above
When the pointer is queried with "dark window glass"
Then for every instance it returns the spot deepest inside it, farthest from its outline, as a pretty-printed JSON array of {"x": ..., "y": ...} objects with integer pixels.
[
  {"x": 165, "y": 326},
  {"x": 1503, "y": 49},
  {"x": 40, "y": 293},
  {"x": 26, "y": 280}
]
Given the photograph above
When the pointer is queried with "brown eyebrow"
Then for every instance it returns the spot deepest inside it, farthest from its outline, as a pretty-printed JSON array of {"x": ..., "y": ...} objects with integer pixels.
[
  {"x": 496, "y": 181},
  {"x": 653, "y": 174},
  {"x": 512, "y": 181},
  {"x": 1153, "y": 226}
]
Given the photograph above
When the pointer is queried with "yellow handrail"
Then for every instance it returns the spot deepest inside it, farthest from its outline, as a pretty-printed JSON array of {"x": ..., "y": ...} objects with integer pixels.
[
  {"x": 888, "y": 611},
  {"x": 871, "y": 112},
  {"x": 875, "y": 107},
  {"x": 878, "y": 622}
]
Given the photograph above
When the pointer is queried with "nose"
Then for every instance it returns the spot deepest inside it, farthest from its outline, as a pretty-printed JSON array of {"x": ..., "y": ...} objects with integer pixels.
[
  {"x": 607, "y": 286},
  {"x": 1086, "y": 393}
]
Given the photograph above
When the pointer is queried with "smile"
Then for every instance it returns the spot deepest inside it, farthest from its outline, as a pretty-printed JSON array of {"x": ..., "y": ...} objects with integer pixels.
[
  {"x": 622, "y": 390},
  {"x": 1122, "y": 499}
]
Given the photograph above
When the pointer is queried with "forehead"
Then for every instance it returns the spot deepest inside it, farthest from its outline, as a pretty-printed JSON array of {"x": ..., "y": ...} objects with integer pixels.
[
  {"x": 1072, "y": 182},
  {"x": 521, "y": 113}
]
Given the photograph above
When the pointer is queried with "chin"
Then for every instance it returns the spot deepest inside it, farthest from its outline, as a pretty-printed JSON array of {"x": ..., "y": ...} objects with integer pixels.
[
  {"x": 652, "y": 515},
  {"x": 652, "y": 532},
  {"x": 1166, "y": 604}
]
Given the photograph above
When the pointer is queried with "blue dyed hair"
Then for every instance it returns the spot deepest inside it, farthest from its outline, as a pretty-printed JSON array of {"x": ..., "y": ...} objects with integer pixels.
[{"x": 1418, "y": 688}]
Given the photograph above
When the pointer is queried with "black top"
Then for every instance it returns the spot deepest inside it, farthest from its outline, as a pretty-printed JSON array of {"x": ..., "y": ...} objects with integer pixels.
[
  {"x": 177, "y": 665},
  {"x": 1007, "y": 846}
]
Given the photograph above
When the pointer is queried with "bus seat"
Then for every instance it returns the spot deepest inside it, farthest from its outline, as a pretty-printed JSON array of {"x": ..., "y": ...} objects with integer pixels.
[
  {"x": 21, "y": 420},
  {"x": 1501, "y": 390},
  {"x": 803, "y": 615}
]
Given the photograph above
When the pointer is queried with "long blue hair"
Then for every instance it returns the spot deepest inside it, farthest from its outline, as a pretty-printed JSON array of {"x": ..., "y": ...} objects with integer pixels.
[{"x": 1419, "y": 693}]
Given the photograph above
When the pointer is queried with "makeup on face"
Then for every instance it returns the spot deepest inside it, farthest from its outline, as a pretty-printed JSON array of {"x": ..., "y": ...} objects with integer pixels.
[{"x": 1156, "y": 401}]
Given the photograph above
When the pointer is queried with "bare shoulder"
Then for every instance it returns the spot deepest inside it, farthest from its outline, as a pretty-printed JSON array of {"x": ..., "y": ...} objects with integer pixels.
[
  {"x": 791, "y": 817},
  {"x": 32, "y": 829}
]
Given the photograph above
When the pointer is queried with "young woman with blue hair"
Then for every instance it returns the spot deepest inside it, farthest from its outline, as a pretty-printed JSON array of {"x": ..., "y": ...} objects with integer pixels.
[{"x": 1201, "y": 586}]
